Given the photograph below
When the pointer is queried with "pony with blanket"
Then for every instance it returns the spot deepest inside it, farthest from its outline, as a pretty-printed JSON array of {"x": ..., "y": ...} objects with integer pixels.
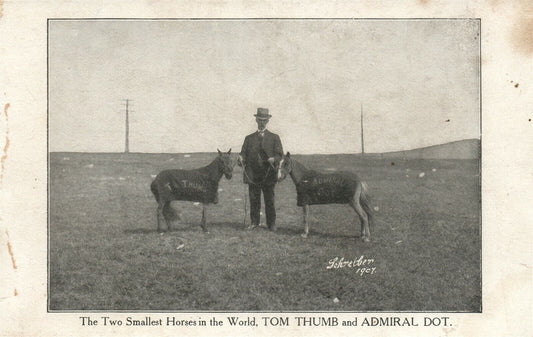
[
  {"x": 199, "y": 185},
  {"x": 314, "y": 188}
]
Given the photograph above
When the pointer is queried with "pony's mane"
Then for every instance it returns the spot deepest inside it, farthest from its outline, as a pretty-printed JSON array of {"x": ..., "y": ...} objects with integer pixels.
[{"x": 213, "y": 168}]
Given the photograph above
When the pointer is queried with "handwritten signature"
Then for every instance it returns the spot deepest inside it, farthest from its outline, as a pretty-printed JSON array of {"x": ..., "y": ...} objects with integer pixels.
[{"x": 361, "y": 265}]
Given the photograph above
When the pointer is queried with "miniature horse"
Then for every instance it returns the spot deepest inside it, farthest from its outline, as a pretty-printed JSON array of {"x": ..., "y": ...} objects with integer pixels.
[
  {"x": 200, "y": 185},
  {"x": 313, "y": 188}
]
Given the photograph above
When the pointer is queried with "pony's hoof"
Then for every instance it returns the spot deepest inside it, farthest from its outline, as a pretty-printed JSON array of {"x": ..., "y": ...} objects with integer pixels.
[
  {"x": 365, "y": 239},
  {"x": 304, "y": 235}
]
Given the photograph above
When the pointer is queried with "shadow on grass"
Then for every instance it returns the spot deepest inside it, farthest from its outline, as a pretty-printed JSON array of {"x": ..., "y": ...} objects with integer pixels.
[
  {"x": 282, "y": 231},
  {"x": 185, "y": 227},
  {"x": 140, "y": 231},
  {"x": 216, "y": 226},
  {"x": 312, "y": 233},
  {"x": 226, "y": 224}
]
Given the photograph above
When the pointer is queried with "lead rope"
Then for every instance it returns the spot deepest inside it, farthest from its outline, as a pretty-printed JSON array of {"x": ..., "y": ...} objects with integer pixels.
[{"x": 266, "y": 174}]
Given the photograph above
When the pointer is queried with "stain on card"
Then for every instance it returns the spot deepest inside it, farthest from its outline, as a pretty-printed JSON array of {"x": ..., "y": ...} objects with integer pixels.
[
  {"x": 10, "y": 250},
  {"x": 522, "y": 38},
  {"x": 6, "y": 145}
]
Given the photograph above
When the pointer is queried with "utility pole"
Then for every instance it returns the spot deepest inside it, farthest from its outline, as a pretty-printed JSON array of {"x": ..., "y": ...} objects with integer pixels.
[
  {"x": 127, "y": 141},
  {"x": 362, "y": 134}
]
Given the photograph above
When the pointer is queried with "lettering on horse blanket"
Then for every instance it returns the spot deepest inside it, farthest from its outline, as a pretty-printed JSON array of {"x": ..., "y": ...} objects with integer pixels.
[
  {"x": 317, "y": 188},
  {"x": 186, "y": 185}
]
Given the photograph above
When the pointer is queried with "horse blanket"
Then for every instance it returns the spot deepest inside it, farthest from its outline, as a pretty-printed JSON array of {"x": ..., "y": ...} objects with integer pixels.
[
  {"x": 326, "y": 188},
  {"x": 187, "y": 185}
]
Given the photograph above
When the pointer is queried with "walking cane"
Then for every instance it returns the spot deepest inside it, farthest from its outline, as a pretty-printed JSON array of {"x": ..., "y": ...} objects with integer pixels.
[
  {"x": 245, "y": 207},
  {"x": 245, "y": 197}
]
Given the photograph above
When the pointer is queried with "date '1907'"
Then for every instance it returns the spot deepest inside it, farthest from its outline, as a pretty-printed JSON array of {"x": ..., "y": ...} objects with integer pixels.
[{"x": 362, "y": 265}]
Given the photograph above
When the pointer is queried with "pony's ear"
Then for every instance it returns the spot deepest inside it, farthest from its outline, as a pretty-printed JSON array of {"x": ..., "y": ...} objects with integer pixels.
[
  {"x": 288, "y": 154},
  {"x": 220, "y": 153},
  {"x": 229, "y": 152}
]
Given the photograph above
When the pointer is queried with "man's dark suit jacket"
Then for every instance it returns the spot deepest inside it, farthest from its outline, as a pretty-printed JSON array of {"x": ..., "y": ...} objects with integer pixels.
[{"x": 255, "y": 153}]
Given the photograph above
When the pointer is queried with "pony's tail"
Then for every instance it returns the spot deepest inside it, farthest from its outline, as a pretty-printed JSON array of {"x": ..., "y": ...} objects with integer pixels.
[
  {"x": 155, "y": 192},
  {"x": 364, "y": 199},
  {"x": 169, "y": 213}
]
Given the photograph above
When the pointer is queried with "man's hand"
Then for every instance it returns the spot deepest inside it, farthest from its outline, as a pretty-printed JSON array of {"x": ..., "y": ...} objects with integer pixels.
[
  {"x": 239, "y": 161},
  {"x": 271, "y": 160}
]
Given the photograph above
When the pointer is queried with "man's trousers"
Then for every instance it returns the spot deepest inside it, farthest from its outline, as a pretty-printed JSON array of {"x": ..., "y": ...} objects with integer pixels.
[{"x": 254, "y": 191}]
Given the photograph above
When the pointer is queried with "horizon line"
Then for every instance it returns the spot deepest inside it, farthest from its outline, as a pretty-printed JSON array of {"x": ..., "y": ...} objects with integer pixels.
[{"x": 329, "y": 153}]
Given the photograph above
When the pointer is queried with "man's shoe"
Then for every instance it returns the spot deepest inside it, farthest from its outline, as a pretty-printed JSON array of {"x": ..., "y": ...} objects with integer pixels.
[{"x": 252, "y": 226}]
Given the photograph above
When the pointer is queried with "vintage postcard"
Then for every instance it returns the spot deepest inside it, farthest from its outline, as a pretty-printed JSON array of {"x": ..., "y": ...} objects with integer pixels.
[
  {"x": 265, "y": 172},
  {"x": 395, "y": 102}
]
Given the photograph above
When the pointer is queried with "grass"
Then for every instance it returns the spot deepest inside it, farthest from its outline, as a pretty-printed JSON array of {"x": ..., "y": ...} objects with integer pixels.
[{"x": 105, "y": 252}]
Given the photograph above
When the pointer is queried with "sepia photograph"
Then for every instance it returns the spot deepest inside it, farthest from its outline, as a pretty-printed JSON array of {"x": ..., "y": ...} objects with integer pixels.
[{"x": 264, "y": 165}]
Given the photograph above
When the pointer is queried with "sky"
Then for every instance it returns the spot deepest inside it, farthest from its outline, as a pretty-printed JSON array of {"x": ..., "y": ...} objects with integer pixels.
[{"x": 196, "y": 84}]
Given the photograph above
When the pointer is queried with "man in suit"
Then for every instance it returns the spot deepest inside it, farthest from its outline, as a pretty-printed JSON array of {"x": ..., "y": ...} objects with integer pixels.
[{"x": 260, "y": 155}]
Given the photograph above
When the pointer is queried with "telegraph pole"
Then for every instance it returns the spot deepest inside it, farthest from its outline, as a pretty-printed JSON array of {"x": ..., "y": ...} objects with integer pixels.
[
  {"x": 127, "y": 141},
  {"x": 362, "y": 134}
]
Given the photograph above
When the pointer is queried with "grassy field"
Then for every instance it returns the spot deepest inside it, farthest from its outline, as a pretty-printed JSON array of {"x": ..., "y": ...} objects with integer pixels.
[{"x": 105, "y": 252}]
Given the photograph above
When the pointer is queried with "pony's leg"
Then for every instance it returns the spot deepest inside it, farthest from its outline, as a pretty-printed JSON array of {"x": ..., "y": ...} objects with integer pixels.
[
  {"x": 159, "y": 215},
  {"x": 203, "y": 223},
  {"x": 158, "y": 211},
  {"x": 167, "y": 207},
  {"x": 305, "y": 210},
  {"x": 363, "y": 217}
]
